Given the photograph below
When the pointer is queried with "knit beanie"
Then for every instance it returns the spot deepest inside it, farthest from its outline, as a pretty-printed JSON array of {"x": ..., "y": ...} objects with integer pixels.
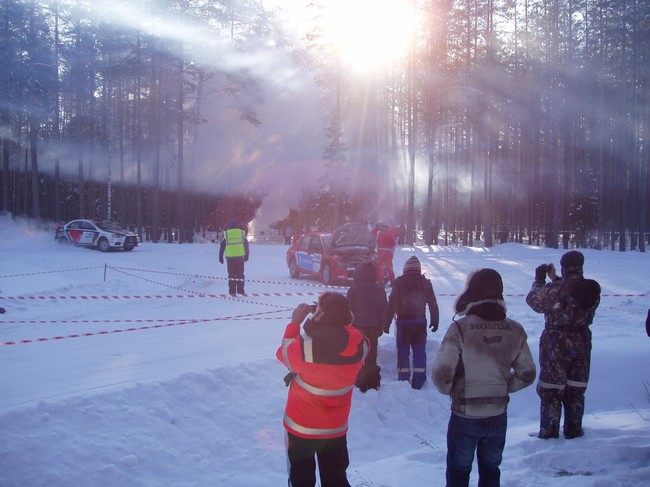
[
  {"x": 572, "y": 262},
  {"x": 484, "y": 285},
  {"x": 334, "y": 310},
  {"x": 412, "y": 265}
]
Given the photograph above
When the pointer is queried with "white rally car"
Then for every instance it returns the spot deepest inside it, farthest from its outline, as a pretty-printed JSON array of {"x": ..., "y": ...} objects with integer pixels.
[{"x": 97, "y": 234}]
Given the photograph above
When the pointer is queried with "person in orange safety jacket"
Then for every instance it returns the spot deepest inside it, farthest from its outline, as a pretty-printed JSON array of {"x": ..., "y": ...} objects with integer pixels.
[{"x": 323, "y": 364}]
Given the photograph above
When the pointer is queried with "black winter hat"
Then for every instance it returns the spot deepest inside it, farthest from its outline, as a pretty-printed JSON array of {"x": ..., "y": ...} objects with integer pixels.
[
  {"x": 572, "y": 262},
  {"x": 484, "y": 285},
  {"x": 333, "y": 310}
]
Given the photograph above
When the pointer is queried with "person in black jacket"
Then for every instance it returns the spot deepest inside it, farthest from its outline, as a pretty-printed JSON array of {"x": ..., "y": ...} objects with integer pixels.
[
  {"x": 408, "y": 299},
  {"x": 368, "y": 304}
]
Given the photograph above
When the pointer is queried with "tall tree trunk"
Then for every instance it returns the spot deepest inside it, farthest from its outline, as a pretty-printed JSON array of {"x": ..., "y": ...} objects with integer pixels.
[
  {"x": 156, "y": 128},
  {"x": 33, "y": 150},
  {"x": 183, "y": 228}
]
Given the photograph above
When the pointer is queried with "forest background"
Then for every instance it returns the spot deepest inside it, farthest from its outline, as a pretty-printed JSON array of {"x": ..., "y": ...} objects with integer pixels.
[{"x": 514, "y": 120}]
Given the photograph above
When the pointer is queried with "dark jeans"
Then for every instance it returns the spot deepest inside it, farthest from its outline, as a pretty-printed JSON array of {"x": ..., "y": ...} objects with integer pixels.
[
  {"x": 486, "y": 436},
  {"x": 333, "y": 461},
  {"x": 235, "y": 275}
]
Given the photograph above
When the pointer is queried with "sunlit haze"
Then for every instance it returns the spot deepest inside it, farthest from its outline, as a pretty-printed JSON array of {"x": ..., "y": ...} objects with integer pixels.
[{"x": 370, "y": 34}]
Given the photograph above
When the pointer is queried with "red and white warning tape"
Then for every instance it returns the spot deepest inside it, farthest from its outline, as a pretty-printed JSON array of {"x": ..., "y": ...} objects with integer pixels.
[
  {"x": 190, "y": 294},
  {"x": 159, "y": 324},
  {"x": 156, "y": 296}
]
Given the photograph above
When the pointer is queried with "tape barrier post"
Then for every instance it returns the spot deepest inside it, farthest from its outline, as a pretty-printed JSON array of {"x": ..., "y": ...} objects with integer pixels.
[{"x": 105, "y": 266}]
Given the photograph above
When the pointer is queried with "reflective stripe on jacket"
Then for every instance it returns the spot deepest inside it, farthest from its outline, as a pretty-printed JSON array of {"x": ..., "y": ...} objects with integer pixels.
[
  {"x": 234, "y": 238},
  {"x": 320, "y": 395}
]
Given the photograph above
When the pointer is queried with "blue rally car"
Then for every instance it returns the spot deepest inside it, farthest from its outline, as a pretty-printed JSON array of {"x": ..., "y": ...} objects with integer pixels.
[{"x": 331, "y": 257}]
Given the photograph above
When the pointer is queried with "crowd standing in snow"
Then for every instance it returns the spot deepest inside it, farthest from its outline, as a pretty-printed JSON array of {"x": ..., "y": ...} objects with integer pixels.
[{"x": 483, "y": 357}]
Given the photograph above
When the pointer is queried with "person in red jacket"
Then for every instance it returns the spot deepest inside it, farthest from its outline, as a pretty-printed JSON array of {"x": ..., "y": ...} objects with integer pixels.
[
  {"x": 323, "y": 364},
  {"x": 386, "y": 243}
]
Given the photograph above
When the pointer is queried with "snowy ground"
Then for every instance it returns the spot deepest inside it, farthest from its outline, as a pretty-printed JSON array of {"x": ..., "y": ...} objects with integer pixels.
[{"x": 136, "y": 369}]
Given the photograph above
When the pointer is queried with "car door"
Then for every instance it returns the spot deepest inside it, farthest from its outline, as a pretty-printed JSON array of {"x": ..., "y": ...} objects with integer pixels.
[
  {"x": 74, "y": 231},
  {"x": 302, "y": 256},
  {"x": 316, "y": 253},
  {"x": 89, "y": 234},
  {"x": 307, "y": 256}
]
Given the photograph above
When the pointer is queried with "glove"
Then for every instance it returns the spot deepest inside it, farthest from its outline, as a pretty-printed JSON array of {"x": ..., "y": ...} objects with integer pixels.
[
  {"x": 433, "y": 327},
  {"x": 540, "y": 273},
  {"x": 289, "y": 378},
  {"x": 221, "y": 260}
]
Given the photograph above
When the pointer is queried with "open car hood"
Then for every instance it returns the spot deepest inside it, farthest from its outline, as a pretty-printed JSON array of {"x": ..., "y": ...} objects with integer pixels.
[{"x": 352, "y": 235}]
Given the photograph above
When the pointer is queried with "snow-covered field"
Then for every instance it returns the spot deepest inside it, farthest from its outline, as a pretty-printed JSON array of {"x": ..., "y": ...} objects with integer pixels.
[{"x": 136, "y": 369}]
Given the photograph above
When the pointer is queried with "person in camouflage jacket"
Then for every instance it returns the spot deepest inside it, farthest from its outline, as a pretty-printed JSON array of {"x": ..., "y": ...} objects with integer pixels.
[{"x": 569, "y": 304}]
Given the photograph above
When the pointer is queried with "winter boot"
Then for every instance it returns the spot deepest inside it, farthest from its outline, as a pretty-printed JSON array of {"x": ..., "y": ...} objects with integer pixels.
[
  {"x": 419, "y": 378},
  {"x": 374, "y": 378},
  {"x": 574, "y": 408},
  {"x": 550, "y": 412}
]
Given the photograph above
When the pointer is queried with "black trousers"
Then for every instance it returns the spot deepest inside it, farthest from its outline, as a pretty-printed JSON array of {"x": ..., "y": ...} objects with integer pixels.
[
  {"x": 235, "y": 275},
  {"x": 333, "y": 461},
  {"x": 369, "y": 376}
]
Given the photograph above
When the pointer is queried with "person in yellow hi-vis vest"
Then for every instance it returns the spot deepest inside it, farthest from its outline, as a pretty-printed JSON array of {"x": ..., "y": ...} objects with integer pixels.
[{"x": 235, "y": 247}]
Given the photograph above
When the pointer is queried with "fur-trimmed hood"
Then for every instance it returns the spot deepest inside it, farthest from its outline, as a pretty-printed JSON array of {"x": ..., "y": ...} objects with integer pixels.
[{"x": 483, "y": 296}]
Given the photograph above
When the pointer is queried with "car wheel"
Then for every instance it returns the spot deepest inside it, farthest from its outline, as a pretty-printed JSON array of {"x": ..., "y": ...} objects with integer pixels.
[
  {"x": 103, "y": 245},
  {"x": 293, "y": 269},
  {"x": 128, "y": 248},
  {"x": 326, "y": 274}
]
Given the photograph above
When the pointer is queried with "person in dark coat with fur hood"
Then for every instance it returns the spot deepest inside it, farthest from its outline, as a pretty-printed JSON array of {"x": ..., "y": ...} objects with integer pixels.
[
  {"x": 368, "y": 304},
  {"x": 482, "y": 359},
  {"x": 408, "y": 300}
]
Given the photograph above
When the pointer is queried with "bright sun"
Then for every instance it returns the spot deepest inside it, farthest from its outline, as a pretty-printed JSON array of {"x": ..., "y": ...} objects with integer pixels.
[{"x": 369, "y": 34}]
